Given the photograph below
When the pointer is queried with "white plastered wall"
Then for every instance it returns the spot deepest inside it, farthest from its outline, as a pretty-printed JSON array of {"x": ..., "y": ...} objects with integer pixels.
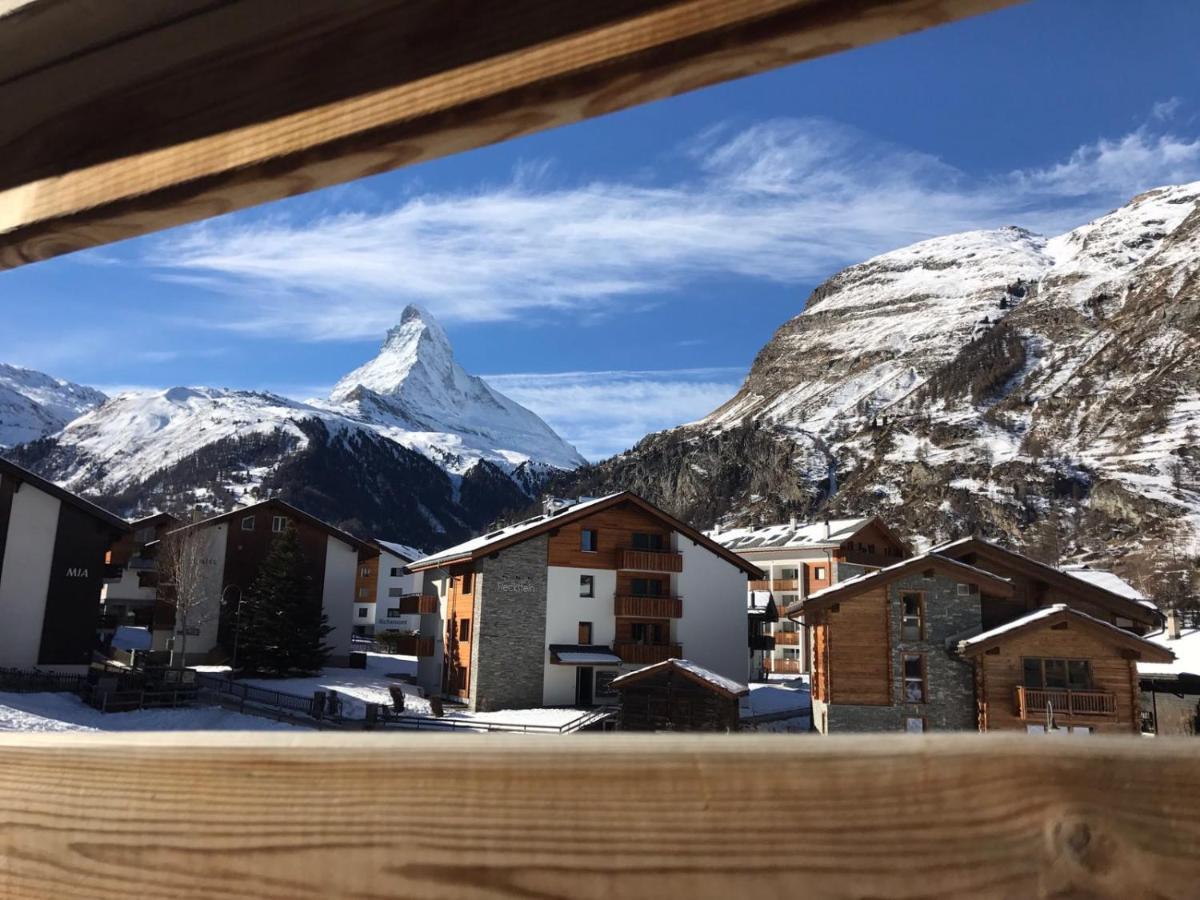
[
  {"x": 713, "y": 627},
  {"x": 25, "y": 582},
  {"x": 565, "y": 609}
]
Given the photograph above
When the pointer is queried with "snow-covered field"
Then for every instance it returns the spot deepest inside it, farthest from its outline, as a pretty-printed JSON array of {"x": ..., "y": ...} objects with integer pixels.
[{"x": 66, "y": 712}]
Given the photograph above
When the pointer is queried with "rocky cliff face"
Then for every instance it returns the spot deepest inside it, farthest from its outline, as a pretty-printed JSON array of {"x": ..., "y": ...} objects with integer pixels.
[{"x": 1045, "y": 391}]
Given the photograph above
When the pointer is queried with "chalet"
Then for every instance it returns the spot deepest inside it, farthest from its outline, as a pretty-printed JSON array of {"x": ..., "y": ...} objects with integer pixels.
[
  {"x": 973, "y": 636},
  {"x": 53, "y": 546},
  {"x": 799, "y": 559},
  {"x": 237, "y": 542},
  {"x": 549, "y": 611},
  {"x": 678, "y": 695},
  {"x": 130, "y": 594}
]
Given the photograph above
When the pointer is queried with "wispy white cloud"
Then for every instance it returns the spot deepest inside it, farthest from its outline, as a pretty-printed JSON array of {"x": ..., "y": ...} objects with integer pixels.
[
  {"x": 783, "y": 201},
  {"x": 603, "y": 413}
]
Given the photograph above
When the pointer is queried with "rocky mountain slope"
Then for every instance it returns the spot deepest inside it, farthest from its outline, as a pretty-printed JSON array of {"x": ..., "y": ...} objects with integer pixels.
[
  {"x": 408, "y": 447},
  {"x": 1044, "y": 391},
  {"x": 33, "y": 404}
]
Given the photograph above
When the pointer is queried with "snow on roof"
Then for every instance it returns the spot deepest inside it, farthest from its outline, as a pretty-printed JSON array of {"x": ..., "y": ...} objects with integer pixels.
[
  {"x": 467, "y": 548},
  {"x": 581, "y": 658},
  {"x": 1109, "y": 581},
  {"x": 404, "y": 551},
  {"x": 1044, "y": 613},
  {"x": 758, "y": 600},
  {"x": 911, "y": 561},
  {"x": 728, "y": 685},
  {"x": 810, "y": 534},
  {"x": 1187, "y": 654}
]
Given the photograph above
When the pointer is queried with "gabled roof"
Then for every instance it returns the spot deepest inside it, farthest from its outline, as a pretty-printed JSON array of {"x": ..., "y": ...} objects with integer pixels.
[
  {"x": 403, "y": 551},
  {"x": 1048, "y": 617},
  {"x": 497, "y": 540},
  {"x": 1088, "y": 589},
  {"x": 155, "y": 519},
  {"x": 952, "y": 568},
  {"x": 23, "y": 475},
  {"x": 762, "y": 603},
  {"x": 689, "y": 670},
  {"x": 802, "y": 536},
  {"x": 284, "y": 507}
]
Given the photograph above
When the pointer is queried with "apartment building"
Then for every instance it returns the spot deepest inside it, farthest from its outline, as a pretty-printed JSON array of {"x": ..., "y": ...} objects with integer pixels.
[
  {"x": 547, "y": 612},
  {"x": 53, "y": 546},
  {"x": 130, "y": 598},
  {"x": 384, "y": 587},
  {"x": 798, "y": 559},
  {"x": 972, "y": 636},
  {"x": 235, "y": 545}
]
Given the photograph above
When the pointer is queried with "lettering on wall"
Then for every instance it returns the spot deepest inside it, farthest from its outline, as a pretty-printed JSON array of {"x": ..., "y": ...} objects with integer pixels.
[
  {"x": 512, "y": 585},
  {"x": 77, "y": 572}
]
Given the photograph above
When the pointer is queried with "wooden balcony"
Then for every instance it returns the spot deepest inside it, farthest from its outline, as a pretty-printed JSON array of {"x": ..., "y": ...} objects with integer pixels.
[
  {"x": 415, "y": 604},
  {"x": 760, "y": 585},
  {"x": 646, "y": 654},
  {"x": 779, "y": 584},
  {"x": 764, "y": 642},
  {"x": 651, "y": 560},
  {"x": 648, "y": 607},
  {"x": 787, "y": 638},
  {"x": 1032, "y": 703},
  {"x": 409, "y": 645},
  {"x": 783, "y": 666}
]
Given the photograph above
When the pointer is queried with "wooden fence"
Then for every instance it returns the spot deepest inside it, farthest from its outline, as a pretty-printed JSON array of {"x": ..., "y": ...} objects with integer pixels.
[{"x": 302, "y": 816}]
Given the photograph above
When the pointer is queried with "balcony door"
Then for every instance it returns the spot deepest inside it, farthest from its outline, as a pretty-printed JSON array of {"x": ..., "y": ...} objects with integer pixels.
[{"x": 585, "y": 683}]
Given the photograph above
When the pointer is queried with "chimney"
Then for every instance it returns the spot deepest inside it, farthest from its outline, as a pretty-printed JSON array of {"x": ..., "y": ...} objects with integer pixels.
[
  {"x": 1172, "y": 624},
  {"x": 828, "y": 530},
  {"x": 792, "y": 522}
]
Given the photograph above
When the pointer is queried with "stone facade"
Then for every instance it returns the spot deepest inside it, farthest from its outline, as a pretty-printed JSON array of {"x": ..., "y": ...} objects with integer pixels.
[{"x": 508, "y": 653}]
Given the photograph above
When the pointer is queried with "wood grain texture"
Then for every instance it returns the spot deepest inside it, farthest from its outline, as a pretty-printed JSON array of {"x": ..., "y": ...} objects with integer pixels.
[
  {"x": 369, "y": 816},
  {"x": 241, "y": 102}
]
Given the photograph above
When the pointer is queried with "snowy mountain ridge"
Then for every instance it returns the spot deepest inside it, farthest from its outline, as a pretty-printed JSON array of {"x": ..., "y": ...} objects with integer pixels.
[{"x": 33, "y": 404}]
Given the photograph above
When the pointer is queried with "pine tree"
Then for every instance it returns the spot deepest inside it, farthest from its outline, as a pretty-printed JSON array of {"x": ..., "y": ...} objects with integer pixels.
[{"x": 283, "y": 625}]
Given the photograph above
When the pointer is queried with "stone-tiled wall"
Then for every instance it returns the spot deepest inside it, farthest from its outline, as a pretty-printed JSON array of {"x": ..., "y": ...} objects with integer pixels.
[{"x": 508, "y": 654}]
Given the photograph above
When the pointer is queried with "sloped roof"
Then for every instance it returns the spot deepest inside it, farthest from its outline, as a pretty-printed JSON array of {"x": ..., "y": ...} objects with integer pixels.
[
  {"x": 843, "y": 590},
  {"x": 404, "y": 551},
  {"x": 497, "y": 540},
  {"x": 688, "y": 669},
  {"x": 762, "y": 603},
  {"x": 1186, "y": 650},
  {"x": 789, "y": 535},
  {"x": 21, "y": 474},
  {"x": 1109, "y": 581},
  {"x": 1059, "y": 612},
  {"x": 283, "y": 506}
]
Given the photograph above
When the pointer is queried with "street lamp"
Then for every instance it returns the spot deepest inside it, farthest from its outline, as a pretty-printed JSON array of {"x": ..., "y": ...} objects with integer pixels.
[{"x": 237, "y": 627}]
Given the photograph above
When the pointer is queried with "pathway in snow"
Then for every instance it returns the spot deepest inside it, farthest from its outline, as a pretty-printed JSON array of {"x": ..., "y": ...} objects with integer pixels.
[{"x": 66, "y": 712}]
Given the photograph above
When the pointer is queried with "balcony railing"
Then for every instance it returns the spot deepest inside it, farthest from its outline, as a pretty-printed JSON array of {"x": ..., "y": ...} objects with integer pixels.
[
  {"x": 778, "y": 584},
  {"x": 787, "y": 638},
  {"x": 762, "y": 642},
  {"x": 407, "y": 644},
  {"x": 783, "y": 666},
  {"x": 415, "y": 604},
  {"x": 1032, "y": 703},
  {"x": 646, "y": 654},
  {"x": 651, "y": 560},
  {"x": 648, "y": 607}
]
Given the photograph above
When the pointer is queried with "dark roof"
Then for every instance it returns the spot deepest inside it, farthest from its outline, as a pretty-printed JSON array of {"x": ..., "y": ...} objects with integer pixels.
[
  {"x": 23, "y": 475},
  {"x": 477, "y": 548},
  {"x": 293, "y": 511},
  {"x": 154, "y": 520}
]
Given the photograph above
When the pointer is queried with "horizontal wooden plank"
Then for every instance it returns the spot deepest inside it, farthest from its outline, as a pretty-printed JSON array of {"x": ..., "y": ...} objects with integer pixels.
[
  {"x": 157, "y": 121},
  {"x": 601, "y": 816}
]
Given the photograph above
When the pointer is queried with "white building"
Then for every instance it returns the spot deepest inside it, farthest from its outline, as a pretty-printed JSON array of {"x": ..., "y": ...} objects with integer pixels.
[
  {"x": 547, "y": 612},
  {"x": 800, "y": 559},
  {"x": 384, "y": 582}
]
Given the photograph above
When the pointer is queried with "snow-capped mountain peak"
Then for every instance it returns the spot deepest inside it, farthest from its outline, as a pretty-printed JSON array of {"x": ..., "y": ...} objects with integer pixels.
[
  {"x": 33, "y": 404},
  {"x": 416, "y": 349}
]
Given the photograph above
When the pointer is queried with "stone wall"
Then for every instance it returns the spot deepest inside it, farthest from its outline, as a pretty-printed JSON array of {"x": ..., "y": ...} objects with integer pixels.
[{"x": 508, "y": 654}]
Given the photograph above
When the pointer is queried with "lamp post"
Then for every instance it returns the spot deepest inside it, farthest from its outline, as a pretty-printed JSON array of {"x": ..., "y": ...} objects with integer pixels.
[{"x": 237, "y": 627}]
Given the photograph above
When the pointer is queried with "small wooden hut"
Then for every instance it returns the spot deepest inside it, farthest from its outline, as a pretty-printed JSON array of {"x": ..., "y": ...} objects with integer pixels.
[{"x": 678, "y": 695}]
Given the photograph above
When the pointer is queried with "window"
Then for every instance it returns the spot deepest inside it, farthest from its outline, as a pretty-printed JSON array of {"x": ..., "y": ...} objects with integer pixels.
[
  {"x": 965, "y": 590},
  {"x": 466, "y": 582},
  {"x": 914, "y": 725},
  {"x": 789, "y": 574},
  {"x": 279, "y": 523},
  {"x": 914, "y": 678},
  {"x": 647, "y": 541},
  {"x": 870, "y": 548},
  {"x": 646, "y": 633},
  {"x": 818, "y": 573},
  {"x": 364, "y": 592},
  {"x": 912, "y": 616},
  {"x": 791, "y": 653},
  {"x": 464, "y": 629},
  {"x": 396, "y": 592},
  {"x": 365, "y": 571},
  {"x": 1057, "y": 674},
  {"x": 248, "y": 523},
  {"x": 393, "y": 612},
  {"x": 396, "y": 571},
  {"x": 646, "y": 587},
  {"x": 587, "y": 540},
  {"x": 587, "y": 586},
  {"x": 362, "y": 613},
  {"x": 585, "y": 632}
]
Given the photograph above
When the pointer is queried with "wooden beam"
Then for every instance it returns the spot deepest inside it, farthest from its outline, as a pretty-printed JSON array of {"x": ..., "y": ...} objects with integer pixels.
[
  {"x": 157, "y": 114},
  {"x": 599, "y": 816}
]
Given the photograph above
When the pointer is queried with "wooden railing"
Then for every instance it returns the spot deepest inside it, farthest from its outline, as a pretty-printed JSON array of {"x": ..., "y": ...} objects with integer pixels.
[
  {"x": 414, "y": 604},
  {"x": 646, "y": 654},
  {"x": 1032, "y": 703},
  {"x": 407, "y": 644},
  {"x": 779, "y": 584},
  {"x": 783, "y": 666},
  {"x": 760, "y": 585},
  {"x": 787, "y": 638},
  {"x": 649, "y": 607},
  {"x": 651, "y": 560}
]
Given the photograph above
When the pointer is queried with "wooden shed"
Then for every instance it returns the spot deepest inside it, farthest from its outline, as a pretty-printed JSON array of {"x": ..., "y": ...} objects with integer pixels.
[{"x": 678, "y": 695}]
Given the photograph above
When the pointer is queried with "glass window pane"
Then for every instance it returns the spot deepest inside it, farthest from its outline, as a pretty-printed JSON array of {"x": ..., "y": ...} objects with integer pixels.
[
  {"x": 912, "y": 667},
  {"x": 1077, "y": 675},
  {"x": 1056, "y": 674},
  {"x": 1033, "y": 673}
]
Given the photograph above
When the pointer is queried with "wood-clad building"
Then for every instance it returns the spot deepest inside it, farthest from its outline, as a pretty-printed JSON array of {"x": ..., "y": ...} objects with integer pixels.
[
  {"x": 979, "y": 637},
  {"x": 549, "y": 611},
  {"x": 678, "y": 695}
]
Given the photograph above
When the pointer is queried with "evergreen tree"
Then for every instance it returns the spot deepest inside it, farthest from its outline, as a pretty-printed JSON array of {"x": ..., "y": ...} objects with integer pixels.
[{"x": 283, "y": 625}]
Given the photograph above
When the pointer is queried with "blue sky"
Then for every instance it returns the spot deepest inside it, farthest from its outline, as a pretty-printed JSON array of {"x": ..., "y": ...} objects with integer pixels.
[{"x": 618, "y": 276}]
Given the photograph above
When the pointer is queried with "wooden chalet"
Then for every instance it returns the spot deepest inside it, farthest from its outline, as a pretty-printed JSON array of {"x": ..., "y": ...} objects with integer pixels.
[{"x": 678, "y": 695}]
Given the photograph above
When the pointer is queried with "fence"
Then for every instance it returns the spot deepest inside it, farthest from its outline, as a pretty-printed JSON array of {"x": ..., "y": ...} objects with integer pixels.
[
  {"x": 30, "y": 681},
  {"x": 253, "y": 694}
]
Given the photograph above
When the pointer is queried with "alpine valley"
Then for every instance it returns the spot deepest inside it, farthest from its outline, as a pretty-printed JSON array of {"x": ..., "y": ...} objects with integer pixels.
[
  {"x": 1045, "y": 391},
  {"x": 408, "y": 447}
]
